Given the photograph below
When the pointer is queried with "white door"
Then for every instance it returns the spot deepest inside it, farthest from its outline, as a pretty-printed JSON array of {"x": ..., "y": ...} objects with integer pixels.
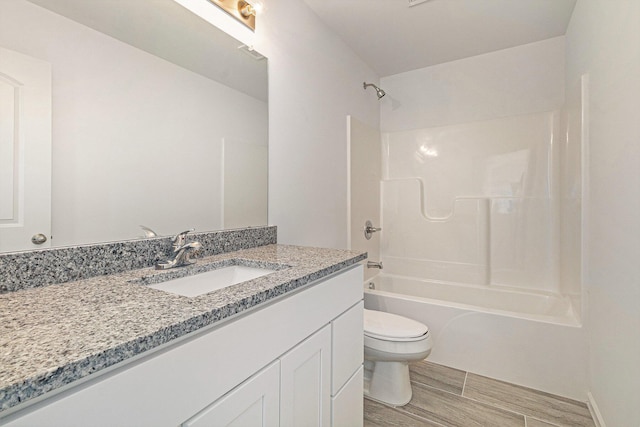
[
  {"x": 305, "y": 382},
  {"x": 25, "y": 151}
]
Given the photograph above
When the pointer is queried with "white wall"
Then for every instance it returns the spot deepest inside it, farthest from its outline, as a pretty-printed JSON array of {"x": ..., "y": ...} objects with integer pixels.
[
  {"x": 520, "y": 80},
  {"x": 365, "y": 155},
  {"x": 246, "y": 183},
  {"x": 133, "y": 135},
  {"x": 603, "y": 40},
  {"x": 315, "y": 81}
]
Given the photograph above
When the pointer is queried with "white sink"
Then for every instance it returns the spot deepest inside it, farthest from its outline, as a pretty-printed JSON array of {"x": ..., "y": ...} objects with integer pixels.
[{"x": 202, "y": 283}]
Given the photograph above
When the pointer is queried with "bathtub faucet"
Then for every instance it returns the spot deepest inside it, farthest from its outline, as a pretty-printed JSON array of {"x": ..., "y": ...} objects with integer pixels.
[{"x": 371, "y": 264}]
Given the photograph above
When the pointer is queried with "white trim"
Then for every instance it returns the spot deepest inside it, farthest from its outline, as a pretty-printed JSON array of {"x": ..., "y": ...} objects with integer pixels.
[
  {"x": 349, "y": 181},
  {"x": 464, "y": 384},
  {"x": 586, "y": 189},
  {"x": 594, "y": 411},
  {"x": 222, "y": 172}
]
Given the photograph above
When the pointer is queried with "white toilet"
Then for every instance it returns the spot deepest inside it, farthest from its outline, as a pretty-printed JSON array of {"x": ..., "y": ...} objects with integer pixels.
[{"x": 390, "y": 343}]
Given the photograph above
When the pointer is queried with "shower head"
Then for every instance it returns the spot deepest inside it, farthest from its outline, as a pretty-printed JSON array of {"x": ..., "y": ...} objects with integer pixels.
[{"x": 379, "y": 91}]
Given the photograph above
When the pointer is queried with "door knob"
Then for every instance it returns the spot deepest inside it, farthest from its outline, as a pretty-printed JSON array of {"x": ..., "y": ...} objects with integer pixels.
[{"x": 38, "y": 239}]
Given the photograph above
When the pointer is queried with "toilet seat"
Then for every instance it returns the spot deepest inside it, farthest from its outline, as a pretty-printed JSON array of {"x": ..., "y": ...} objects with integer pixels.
[{"x": 391, "y": 327}]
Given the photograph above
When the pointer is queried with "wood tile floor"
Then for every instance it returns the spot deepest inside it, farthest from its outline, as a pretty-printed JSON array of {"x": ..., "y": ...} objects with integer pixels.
[{"x": 447, "y": 397}]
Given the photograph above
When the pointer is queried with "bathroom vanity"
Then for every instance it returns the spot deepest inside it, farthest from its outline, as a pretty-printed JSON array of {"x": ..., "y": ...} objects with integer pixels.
[{"x": 283, "y": 349}]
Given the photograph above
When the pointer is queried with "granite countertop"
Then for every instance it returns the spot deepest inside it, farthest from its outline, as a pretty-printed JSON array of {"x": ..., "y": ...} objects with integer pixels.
[{"x": 54, "y": 335}]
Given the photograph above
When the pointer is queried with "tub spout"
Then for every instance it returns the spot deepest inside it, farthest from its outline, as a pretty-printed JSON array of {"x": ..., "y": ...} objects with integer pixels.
[{"x": 371, "y": 264}]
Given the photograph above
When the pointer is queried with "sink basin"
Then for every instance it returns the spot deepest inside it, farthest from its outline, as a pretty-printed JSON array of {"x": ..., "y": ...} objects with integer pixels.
[{"x": 202, "y": 283}]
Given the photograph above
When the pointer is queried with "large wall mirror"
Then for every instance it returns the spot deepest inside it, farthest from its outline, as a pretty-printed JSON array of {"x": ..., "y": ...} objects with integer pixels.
[{"x": 157, "y": 118}]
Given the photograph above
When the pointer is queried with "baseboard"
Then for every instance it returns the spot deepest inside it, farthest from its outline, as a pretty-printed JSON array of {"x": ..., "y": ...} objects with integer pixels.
[{"x": 595, "y": 412}]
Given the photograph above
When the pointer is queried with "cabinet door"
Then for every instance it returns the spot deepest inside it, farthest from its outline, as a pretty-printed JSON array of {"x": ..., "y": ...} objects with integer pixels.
[
  {"x": 254, "y": 403},
  {"x": 305, "y": 382},
  {"x": 347, "y": 405},
  {"x": 348, "y": 345}
]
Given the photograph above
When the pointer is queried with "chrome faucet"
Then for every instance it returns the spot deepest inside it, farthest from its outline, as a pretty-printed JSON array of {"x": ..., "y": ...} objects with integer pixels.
[{"x": 181, "y": 252}]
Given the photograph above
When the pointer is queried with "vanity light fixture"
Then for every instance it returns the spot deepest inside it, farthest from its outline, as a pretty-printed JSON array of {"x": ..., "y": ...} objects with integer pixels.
[
  {"x": 246, "y": 9},
  {"x": 242, "y": 10}
]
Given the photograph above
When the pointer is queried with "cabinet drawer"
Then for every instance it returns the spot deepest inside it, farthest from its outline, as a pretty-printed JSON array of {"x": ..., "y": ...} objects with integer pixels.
[{"x": 347, "y": 345}]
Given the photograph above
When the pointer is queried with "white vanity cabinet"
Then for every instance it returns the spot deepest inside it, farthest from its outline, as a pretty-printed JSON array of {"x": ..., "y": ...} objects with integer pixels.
[{"x": 296, "y": 361}]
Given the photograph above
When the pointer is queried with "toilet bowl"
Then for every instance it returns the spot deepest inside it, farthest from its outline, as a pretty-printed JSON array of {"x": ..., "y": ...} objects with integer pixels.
[{"x": 390, "y": 343}]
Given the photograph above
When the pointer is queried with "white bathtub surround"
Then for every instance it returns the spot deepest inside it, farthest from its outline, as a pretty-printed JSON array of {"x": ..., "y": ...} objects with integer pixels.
[
  {"x": 481, "y": 178},
  {"x": 476, "y": 202}
]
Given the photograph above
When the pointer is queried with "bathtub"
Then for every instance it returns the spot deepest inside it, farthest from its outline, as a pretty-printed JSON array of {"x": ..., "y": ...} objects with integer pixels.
[
  {"x": 544, "y": 307},
  {"x": 531, "y": 339}
]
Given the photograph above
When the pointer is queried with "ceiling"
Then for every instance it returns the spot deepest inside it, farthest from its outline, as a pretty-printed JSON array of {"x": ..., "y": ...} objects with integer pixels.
[{"x": 392, "y": 37}]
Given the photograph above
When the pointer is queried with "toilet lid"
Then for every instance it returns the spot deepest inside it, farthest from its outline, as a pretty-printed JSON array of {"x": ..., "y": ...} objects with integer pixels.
[{"x": 378, "y": 324}]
